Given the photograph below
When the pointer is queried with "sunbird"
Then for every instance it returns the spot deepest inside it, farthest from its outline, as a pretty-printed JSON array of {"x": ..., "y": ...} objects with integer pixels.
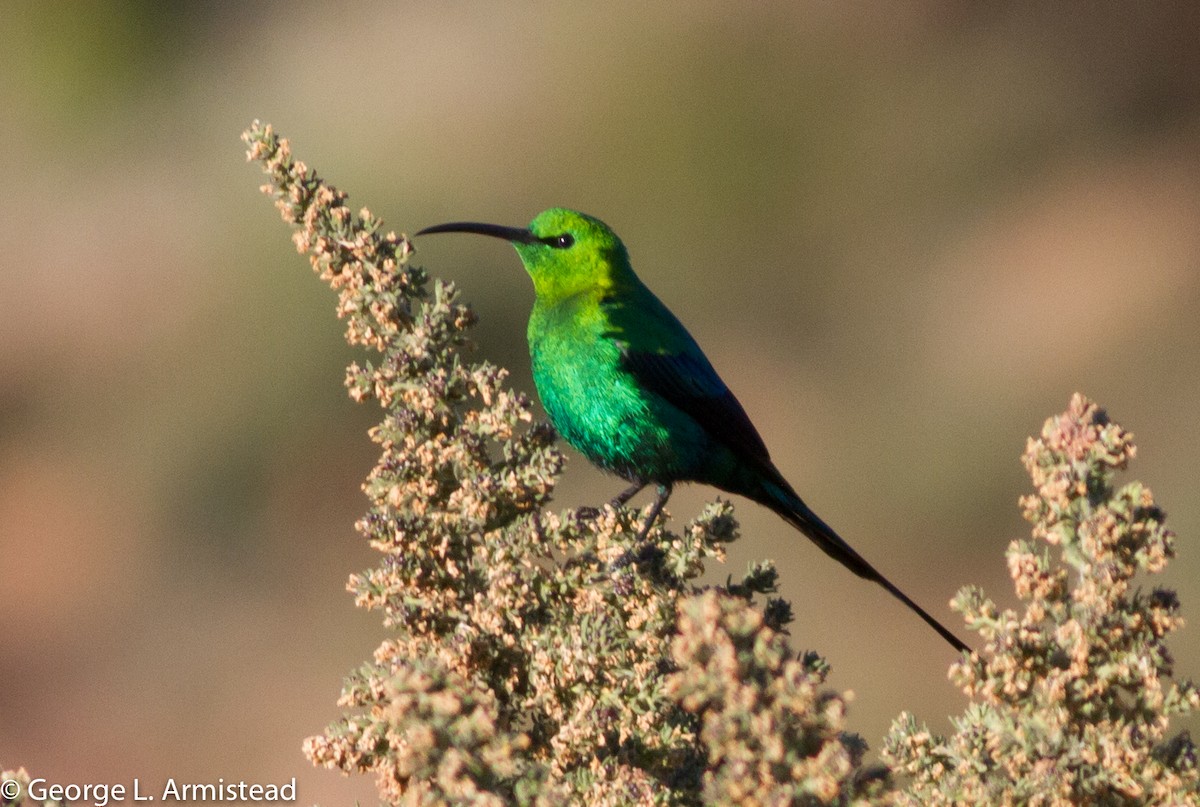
[{"x": 627, "y": 386}]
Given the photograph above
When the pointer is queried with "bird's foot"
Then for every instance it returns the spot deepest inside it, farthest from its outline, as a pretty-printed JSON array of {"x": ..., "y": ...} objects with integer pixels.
[
  {"x": 624, "y": 496},
  {"x": 587, "y": 513},
  {"x": 643, "y": 553}
]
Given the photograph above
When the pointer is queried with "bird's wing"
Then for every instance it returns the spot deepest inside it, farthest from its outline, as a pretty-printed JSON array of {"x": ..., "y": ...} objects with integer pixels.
[
  {"x": 664, "y": 358},
  {"x": 689, "y": 383}
]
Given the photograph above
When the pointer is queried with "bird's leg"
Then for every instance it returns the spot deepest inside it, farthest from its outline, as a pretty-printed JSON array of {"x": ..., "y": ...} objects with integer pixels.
[
  {"x": 621, "y": 498},
  {"x": 589, "y": 513},
  {"x": 643, "y": 551},
  {"x": 664, "y": 493}
]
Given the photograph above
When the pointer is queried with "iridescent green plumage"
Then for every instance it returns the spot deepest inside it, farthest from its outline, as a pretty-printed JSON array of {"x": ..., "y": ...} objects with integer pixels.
[{"x": 626, "y": 384}]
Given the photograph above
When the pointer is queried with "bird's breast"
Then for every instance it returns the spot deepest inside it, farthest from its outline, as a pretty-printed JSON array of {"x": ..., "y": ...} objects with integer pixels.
[{"x": 594, "y": 402}]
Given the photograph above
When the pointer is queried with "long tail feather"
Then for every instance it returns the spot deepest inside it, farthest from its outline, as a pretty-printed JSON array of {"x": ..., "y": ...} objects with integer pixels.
[{"x": 792, "y": 508}]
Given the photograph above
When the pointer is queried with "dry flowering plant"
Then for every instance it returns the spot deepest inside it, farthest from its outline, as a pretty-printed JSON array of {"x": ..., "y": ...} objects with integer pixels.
[
  {"x": 533, "y": 657},
  {"x": 1073, "y": 696},
  {"x": 541, "y": 657}
]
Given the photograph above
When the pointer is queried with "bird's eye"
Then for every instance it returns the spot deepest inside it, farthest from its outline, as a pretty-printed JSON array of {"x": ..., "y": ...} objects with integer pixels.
[{"x": 562, "y": 241}]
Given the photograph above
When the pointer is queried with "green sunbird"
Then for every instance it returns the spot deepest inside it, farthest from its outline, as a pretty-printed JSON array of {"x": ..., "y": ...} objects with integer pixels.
[{"x": 626, "y": 384}]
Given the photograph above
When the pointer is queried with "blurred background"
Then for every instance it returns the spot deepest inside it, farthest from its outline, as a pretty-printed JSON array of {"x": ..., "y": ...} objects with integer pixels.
[{"x": 904, "y": 234}]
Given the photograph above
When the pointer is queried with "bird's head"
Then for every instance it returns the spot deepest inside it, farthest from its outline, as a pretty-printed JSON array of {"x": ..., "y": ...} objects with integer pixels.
[{"x": 564, "y": 251}]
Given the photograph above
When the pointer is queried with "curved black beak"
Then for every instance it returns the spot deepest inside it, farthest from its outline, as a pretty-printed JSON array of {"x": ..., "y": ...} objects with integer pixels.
[{"x": 517, "y": 234}]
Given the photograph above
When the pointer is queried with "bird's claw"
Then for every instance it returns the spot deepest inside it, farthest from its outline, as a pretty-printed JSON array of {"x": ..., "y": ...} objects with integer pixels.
[
  {"x": 587, "y": 513},
  {"x": 640, "y": 554}
]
